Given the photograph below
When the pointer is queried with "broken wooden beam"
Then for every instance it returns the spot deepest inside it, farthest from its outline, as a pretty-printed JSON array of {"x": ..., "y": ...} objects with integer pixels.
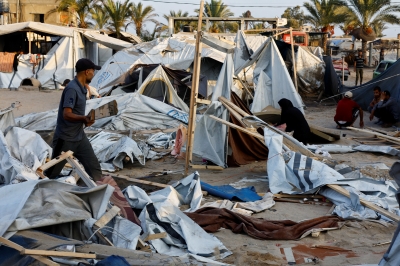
[
  {"x": 155, "y": 236},
  {"x": 396, "y": 140},
  {"x": 137, "y": 180},
  {"x": 366, "y": 203}
]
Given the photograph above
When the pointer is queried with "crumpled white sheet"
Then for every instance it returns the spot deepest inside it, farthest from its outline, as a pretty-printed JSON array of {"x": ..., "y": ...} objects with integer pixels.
[{"x": 12, "y": 171}]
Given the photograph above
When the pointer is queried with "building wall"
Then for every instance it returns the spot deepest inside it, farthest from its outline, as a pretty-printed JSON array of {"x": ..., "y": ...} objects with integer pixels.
[{"x": 39, "y": 11}]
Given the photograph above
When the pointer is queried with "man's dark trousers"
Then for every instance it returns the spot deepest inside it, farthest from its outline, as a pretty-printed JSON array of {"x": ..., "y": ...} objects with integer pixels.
[{"x": 83, "y": 151}]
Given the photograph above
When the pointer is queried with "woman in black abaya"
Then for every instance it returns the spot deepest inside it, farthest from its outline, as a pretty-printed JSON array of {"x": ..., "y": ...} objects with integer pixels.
[{"x": 295, "y": 121}]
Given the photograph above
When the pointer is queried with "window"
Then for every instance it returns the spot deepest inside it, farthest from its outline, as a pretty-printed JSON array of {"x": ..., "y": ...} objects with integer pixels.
[
  {"x": 298, "y": 39},
  {"x": 38, "y": 18},
  {"x": 381, "y": 67}
]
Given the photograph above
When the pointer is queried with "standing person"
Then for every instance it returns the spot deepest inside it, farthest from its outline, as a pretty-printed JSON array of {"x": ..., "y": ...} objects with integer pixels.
[
  {"x": 69, "y": 134},
  {"x": 359, "y": 66},
  {"x": 347, "y": 112},
  {"x": 387, "y": 111},
  {"x": 376, "y": 99},
  {"x": 295, "y": 121}
]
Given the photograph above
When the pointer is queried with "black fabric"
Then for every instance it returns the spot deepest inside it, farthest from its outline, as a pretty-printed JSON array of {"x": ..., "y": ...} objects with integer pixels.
[
  {"x": 295, "y": 120},
  {"x": 83, "y": 151},
  {"x": 15, "y": 62},
  {"x": 389, "y": 80},
  {"x": 331, "y": 79},
  {"x": 384, "y": 115}
]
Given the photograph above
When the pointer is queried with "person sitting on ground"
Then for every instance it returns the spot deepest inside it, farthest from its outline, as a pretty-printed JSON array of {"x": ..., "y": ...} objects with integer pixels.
[
  {"x": 347, "y": 112},
  {"x": 294, "y": 120},
  {"x": 376, "y": 99},
  {"x": 92, "y": 92},
  {"x": 386, "y": 110}
]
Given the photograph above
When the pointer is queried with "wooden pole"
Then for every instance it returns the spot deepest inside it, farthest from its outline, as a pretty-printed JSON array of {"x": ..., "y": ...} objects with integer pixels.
[
  {"x": 193, "y": 96},
  {"x": 294, "y": 60},
  {"x": 30, "y": 42}
]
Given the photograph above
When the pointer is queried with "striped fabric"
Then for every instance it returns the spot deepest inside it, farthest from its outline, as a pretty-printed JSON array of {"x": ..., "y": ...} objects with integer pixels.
[
  {"x": 6, "y": 62},
  {"x": 359, "y": 62}
]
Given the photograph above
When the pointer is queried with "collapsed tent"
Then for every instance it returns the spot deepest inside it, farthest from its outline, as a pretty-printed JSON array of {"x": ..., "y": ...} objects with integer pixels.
[
  {"x": 174, "y": 52},
  {"x": 49, "y": 52},
  {"x": 135, "y": 111},
  {"x": 388, "y": 80}
]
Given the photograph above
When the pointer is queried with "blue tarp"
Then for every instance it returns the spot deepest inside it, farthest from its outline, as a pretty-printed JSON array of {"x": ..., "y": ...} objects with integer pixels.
[
  {"x": 231, "y": 193},
  {"x": 114, "y": 261},
  {"x": 10, "y": 256},
  {"x": 388, "y": 80}
]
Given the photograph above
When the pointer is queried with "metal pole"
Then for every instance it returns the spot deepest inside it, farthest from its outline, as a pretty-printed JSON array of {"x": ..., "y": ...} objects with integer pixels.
[
  {"x": 193, "y": 96},
  {"x": 342, "y": 69},
  {"x": 370, "y": 55},
  {"x": 293, "y": 60}
]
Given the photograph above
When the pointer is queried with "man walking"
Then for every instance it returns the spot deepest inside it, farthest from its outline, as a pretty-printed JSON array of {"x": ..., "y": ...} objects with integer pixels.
[
  {"x": 359, "y": 66},
  {"x": 69, "y": 134}
]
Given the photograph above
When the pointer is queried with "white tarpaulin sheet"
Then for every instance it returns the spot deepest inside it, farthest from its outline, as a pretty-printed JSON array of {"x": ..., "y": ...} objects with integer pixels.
[
  {"x": 28, "y": 147},
  {"x": 175, "y": 52},
  {"x": 105, "y": 40},
  {"x": 310, "y": 70},
  {"x": 170, "y": 96},
  {"x": 6, "y": 118},
  {"x": 224, "y": 84},
  {"x": 37, "y": 26},
  {"x": 47, "y": 202},
  {"x": 135, "y": 112},
  {"x": 271, "y": 75},
  {"x": 12, "y": 170}
]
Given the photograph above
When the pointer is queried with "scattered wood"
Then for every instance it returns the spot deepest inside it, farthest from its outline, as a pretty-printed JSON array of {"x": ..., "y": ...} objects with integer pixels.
[
  {"x": 331, "y": 132},
  {"x": 142, "y": 246},
  {"x": 137, "y": 180},
  {"x": 21, "y": 248},
  {"x": 204, "y": 166},
  {"x": 321, "y": 134},
  {"x": 368, "y": 204},
  {"x": 105, "y": 219},
  {"x": 301, "y": 196},
  {"x": 331, "y": 248},
  {"x": 155, "y": 236},
  {"x": 315, "y": 234},
  {"x": 381, "y": 243},
  {"x": 57, "y": 253},
  {"x": 396, "y": 140},
  {"x": 40, "y": 170},
  {"x": 330, "y": 210}
]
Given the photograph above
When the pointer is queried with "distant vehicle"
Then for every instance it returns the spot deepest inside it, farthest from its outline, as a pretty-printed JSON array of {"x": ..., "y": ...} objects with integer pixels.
[
  {"x": 382, "y": 66},
  {"x": 337, "y": 64}
]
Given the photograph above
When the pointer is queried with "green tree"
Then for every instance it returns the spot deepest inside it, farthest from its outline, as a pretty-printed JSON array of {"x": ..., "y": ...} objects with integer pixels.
[
  {"x": 141, "y": 14},
  {"x": 178, "y": 24},
  {"x": 216, "y": 8},
  {"x": 324, "y": 14},
  {"x": 372, "y": 14},
  {"x": 119, "y": 13},
  {"x": 100, "y": 17},
  {"x": 80, "y": 9},
  {"x": 294, "y": 16}
]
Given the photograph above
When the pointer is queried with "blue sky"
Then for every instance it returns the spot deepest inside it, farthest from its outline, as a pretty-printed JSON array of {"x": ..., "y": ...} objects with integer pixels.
[{"x": 275, "y": 10}]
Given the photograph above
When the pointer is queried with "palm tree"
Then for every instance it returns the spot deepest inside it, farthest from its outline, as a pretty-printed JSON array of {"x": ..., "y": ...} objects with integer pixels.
[
  {"x": 324, "y": 14},
  {"x": 119, "y": 13},
  {"x": 216, "y": 8},
  {"x": 178, "y": 24},
  {"x": 140, "y": 15},
  {"x": 80, "y": 10},
  {"x": 100, "y": 16},
  {"x": 370, "y": 14}
]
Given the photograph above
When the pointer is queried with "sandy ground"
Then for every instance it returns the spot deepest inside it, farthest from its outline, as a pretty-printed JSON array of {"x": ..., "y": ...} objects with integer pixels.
[{"x": 353, "y": 242}]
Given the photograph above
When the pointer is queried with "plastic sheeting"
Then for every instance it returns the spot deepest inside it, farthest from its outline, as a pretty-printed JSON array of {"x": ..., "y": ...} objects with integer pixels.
[
  {"x": 333, "y": 148},
  {"x": 105, "y": 40},
  {"x": 6, "y": 118},
  {"x": 28, "y": 147},
  {"x": 229, "y": 192},
  {"x": 186, "y": 191},
  {"x": 174, "y": 52},
  {"x": 135, "y": 112},
  {"x": 166, "y": 90},
  {"x": 12, "y": 171},
  {"x": 310, "y": 71},
  {"x": 224, "y": 84},
  {"x": 23, "y": 208},
  {"x": 271, "y": 75},
  {"x": 37, "y": 26}
]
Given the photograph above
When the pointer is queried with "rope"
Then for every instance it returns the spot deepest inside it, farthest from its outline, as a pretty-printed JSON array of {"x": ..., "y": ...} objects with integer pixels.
[{"x": 366, "y": 84}]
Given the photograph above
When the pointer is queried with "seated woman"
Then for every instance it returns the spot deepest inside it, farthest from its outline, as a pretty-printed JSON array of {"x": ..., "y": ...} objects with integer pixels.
[{"x": 295, "y": 121}]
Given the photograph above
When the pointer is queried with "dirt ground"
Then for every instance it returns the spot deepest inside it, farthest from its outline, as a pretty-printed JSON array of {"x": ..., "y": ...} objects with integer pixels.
[{"x": 353, "y": 243}]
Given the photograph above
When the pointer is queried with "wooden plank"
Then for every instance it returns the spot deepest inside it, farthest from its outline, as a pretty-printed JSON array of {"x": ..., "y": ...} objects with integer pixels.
[
  {"x": 155, "y": 236},
  {"x": 397, "y": 140},
  {"x": 211, "y": 167},
  {"x": 57, "y": 253},
  {"x": 81, "y": 172},
  {"x": 137, "y": 180},
  {"x": 62, "y": 157},
  {"x": 20, "y": 249},
  {"x": 321, "y": 134},
  {"x": 298, "y": 196},
  {"x": 331, "y": 132},
  {"x": 194, "y": 92},
  {"x": 107, "y": 217},
  {"x": 368, "y": 204},
  {"x": 142, "y": 246},
  {"x": 208, "y": 102}
]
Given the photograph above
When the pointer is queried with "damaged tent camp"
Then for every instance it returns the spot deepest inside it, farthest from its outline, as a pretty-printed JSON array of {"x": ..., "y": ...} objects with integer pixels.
[{"x": 48, "y": 53}]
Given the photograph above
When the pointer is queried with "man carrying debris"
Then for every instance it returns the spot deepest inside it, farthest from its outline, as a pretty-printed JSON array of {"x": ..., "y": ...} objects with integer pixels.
[
  {"x": 347, "y": 112},
  {"x": 359, "y": 66},
  {"x": 69, "y": 134},
  {"x": 386, "y": 110}
]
